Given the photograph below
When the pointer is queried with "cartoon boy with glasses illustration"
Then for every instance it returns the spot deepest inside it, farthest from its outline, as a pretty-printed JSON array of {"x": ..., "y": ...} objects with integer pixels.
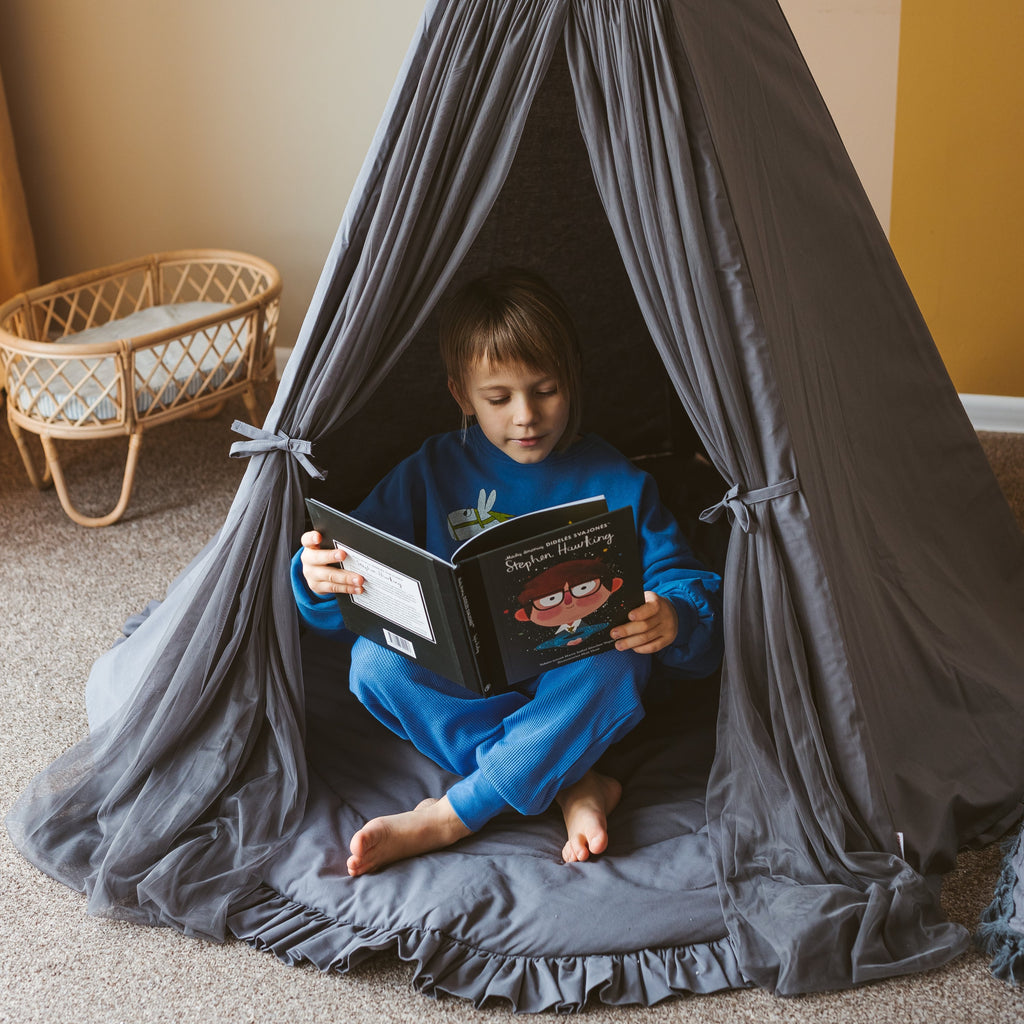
[{"x": 562, "y": 596}]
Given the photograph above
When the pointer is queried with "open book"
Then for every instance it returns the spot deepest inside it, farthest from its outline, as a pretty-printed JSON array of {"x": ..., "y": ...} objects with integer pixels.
[{"x": 530, "y": 593}]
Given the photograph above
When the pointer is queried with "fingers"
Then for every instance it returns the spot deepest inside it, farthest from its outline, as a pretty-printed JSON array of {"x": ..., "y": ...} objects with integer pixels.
[
  {"x": 313, "y": 555},
  {"x": 642, "y": 643},
  {"x": 651, "y": 627},
  {"x": 651, "y": 607},
  {"x": 333, "y": 581},
  {"x": 322, "y": 571}
]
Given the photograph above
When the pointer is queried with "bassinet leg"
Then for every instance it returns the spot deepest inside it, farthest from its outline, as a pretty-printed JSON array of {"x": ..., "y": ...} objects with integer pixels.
[
  {"x": 38, "y": 482},
  {"x": 53, "y": 465}
]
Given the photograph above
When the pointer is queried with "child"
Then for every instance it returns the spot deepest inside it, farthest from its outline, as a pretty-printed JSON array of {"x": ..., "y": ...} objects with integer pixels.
[{"x": 513, "y": 363}]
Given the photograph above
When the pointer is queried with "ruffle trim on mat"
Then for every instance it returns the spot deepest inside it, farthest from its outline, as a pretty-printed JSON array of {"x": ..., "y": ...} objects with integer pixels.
[
  {"x": 997, "y": 937},
  {"x": 296, "y": 933}
]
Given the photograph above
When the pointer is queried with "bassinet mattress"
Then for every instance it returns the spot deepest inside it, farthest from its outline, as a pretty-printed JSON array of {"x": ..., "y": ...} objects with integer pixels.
[
  {"x": 200, "y": 363},
  {"x": 499, "y": 916}
]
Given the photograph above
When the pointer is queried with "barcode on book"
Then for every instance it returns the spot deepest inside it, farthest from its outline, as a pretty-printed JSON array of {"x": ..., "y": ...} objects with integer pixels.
[{"x": 399, "y": 643}]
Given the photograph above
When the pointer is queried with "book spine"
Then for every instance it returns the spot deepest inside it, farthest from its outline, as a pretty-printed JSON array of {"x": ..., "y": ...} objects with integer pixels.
[
  {"x": 464, "y": 642},
  {"x": 480, "y": 628}
]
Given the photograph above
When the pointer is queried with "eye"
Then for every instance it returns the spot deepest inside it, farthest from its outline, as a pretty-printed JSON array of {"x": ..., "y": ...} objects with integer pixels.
[
  {"x": 551, "y": 601},
  {"x": 585, "y": 589},
  {"x": 497, "y": 401}
]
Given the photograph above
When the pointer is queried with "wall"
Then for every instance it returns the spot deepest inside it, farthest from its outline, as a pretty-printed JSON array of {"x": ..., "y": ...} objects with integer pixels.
[
  {"x": 958, "y": 201},
  {"x": 852, "y": 49},
  {"x": 239, "y": 124},
  {"x": 144, "y": 125}
]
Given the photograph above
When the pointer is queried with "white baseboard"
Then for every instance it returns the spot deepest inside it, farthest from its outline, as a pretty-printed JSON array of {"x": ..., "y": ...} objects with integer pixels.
[
  {"x": 995, "y": 412},
  {"x": 280, "y": 358}
]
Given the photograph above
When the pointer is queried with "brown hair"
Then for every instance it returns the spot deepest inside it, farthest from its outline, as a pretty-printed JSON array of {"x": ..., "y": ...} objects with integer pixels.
[
  {"x": 558, "y": 577},
  {"x": 513, "y": 317}
]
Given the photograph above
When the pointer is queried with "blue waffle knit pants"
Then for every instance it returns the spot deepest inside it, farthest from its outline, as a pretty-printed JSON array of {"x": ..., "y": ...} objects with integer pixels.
[{"x": 515, "y": 749}]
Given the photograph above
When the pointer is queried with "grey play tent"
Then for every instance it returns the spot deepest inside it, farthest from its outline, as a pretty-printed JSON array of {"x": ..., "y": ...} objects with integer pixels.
[{"x": 672, "y": 169}]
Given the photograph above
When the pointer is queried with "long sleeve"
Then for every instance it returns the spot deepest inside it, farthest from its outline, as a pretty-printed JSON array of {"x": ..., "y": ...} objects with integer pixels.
[
  {"x": 321, "y": 614},
  {"x": 672, "y": 570},
  {"x": 450, "y": 479}
]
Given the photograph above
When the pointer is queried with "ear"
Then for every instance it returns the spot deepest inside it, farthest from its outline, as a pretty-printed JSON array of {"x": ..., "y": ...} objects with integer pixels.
[
  {"x": 616, "y": 583},
  {"x": 522, "y": 616},
  {"x": 460, "y": 399}
]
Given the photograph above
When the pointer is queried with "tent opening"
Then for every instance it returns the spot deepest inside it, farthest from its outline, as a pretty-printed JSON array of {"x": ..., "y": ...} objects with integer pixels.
[{"x": 548, "y": 217}]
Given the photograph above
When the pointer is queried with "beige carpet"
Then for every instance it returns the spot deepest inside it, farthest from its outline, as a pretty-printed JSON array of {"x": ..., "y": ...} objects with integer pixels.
[{"x": 64, "y": 592}]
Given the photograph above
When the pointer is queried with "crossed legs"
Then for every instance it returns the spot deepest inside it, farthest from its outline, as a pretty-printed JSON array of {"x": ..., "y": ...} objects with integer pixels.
[
  {"x": 433, "y": 825},
  {"x": 519, "y": 749}
]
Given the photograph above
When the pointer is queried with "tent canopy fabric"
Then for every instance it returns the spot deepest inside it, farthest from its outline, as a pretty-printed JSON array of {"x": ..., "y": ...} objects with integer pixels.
[{"x": 672, "y": 169}]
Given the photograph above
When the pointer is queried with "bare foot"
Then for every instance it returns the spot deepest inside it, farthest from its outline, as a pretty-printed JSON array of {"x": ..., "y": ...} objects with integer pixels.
[
  {"x": 585, "y": 806},
  {"x": 431, "y": 825}
]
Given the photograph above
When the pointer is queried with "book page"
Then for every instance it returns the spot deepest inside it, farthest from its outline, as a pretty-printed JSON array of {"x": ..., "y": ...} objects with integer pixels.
[
  {"x": 529, "y": 524},
  {"x": 389, "y": 593}
]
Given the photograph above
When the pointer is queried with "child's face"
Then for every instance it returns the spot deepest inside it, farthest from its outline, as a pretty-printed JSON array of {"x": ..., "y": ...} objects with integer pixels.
[{"x": 522, "y": 412}]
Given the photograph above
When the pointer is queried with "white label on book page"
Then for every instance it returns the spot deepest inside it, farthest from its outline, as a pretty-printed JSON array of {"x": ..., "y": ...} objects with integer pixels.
[
  {"x": 390, "y": 594},
  {"x": 399, "y": 643}
]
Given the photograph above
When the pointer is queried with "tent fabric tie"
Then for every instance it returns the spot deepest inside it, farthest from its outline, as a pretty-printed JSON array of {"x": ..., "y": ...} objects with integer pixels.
[
  {"x": 263, "y": 441},
  {"x": 736, "y": 502}
]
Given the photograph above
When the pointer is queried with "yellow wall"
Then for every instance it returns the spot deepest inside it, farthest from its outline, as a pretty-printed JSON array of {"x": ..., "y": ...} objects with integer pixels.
[{"x": 958, "y": 184}]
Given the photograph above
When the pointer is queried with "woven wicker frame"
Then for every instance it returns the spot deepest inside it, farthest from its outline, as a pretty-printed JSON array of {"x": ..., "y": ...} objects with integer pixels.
[{"x": 104, "y": 389}]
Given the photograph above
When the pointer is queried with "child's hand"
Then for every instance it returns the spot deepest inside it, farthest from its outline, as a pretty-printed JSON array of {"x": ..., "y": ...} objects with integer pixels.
[
  {"x": 651, "y": 627},
  {"x": 321, "y": 570}
]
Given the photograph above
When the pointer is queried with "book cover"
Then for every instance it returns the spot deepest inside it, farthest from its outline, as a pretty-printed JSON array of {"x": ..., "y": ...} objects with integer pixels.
[
  {"x": 555, "y": 596},
  {"x": 528, "y": 594}
]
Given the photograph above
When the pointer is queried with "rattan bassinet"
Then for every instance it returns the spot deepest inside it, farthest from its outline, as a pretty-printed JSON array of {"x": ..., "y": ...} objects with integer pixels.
[{"x": 113, "y": 351}]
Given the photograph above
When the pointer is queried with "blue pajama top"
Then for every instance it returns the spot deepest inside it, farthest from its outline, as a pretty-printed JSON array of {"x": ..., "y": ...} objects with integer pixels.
[{"x": 456, "y": 485}]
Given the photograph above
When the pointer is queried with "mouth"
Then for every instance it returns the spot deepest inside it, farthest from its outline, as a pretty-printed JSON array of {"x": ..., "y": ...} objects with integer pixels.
[{"x": 528, "y": 442}]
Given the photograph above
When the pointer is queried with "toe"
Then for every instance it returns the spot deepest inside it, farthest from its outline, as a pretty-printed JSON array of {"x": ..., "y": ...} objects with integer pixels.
[
  {"x": 576, "y": 850},
  {"x": 598, "y": 843}
]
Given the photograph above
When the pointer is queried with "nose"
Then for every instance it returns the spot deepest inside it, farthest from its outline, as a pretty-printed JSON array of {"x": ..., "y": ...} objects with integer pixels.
[{"x": 524, "y": 412}]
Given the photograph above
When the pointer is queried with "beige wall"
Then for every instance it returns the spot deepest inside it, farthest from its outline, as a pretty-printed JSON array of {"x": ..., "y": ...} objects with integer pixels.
[
  {"x": 852, "y": 49},
  {"x": 144, "y": 125}
]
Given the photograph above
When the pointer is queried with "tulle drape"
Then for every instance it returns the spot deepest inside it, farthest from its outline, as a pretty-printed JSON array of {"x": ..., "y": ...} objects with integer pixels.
[{"x": 166, "y": 812}]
